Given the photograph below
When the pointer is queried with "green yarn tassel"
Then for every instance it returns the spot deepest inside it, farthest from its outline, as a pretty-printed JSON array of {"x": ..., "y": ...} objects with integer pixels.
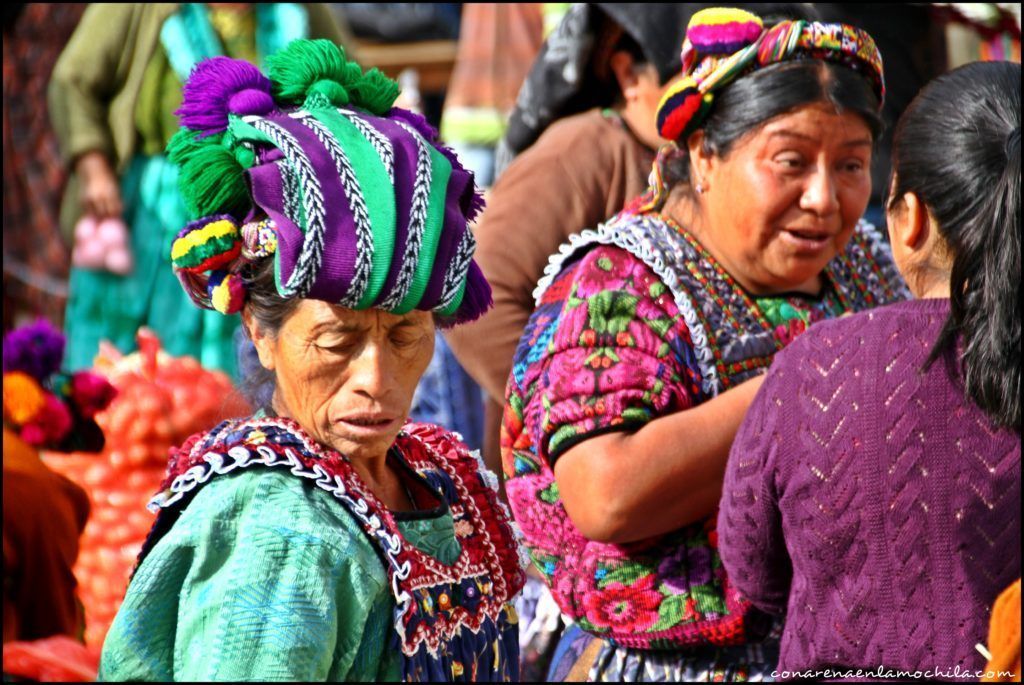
[
  {"x": 302, "y": 64},
  {"x": 315, "y": 72},
  {"x": 211, "y": 179},
  {"x": 375, "y": 92}
]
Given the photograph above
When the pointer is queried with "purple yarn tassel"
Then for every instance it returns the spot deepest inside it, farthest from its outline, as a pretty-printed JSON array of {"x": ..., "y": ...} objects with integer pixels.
[
  {"x": 477, "y": 298},
  {"x": 221, "y": 86}
]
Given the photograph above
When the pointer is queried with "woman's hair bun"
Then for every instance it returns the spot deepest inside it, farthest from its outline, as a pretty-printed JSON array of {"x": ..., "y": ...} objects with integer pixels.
[
  {"x": 221, "y": 86},
  {"x": 682, "y": 110}
]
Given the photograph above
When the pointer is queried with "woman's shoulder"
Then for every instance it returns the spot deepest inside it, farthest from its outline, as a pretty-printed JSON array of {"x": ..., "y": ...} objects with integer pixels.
[
  {"x": 236, "y": 493},
  {"x": 259, "y": 498},
  {"x": 581, "y": 129},
  {"x": 870, "y": 333}
]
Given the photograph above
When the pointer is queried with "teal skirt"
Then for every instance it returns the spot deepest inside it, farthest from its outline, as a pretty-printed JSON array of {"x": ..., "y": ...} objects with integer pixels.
[{"x": 105, "y": 306}]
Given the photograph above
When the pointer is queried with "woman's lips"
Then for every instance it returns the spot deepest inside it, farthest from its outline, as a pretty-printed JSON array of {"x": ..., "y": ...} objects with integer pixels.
[
  {"x": 811, "y": 241},
  {"x": 368, "y": 424}
]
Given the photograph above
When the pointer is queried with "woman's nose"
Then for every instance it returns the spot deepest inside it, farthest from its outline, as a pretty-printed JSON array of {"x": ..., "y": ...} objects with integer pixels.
[
  {"x": 369, "y": 373},
  {"x": 820, "y": 194}
]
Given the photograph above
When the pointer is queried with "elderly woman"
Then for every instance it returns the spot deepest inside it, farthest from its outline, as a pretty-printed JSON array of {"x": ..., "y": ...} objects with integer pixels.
[
  {"x": 323, "y": 538},
  {"x": 873, "y": 492},
  {"x": 650, "y": 333}
]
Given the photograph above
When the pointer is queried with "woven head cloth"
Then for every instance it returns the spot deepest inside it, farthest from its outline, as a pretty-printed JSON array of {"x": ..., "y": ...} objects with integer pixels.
[
  {"x": 723, "y": 44},
  {"x": 356, "y": 200}
]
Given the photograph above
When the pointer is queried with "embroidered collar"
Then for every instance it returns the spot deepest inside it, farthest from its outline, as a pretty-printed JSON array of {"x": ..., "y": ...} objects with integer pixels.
[{"x": 437, "y": 605}]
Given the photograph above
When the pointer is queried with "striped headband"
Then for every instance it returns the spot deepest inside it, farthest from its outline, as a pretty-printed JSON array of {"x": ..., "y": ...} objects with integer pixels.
[
  {"x": 356, "y": 200},
  {"x": 723, "y": 44}
]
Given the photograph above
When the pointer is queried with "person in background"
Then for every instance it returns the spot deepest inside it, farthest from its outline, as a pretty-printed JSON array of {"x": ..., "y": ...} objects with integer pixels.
[
  {"x": 44, "y": 512},
  {"x": 36, "y": 260},
  {"x": 585, "y": 119},
  {"x": 498, "y": 43},
  {"x": 651, "y": 333},
  {"x": 878, "y": 468},
  {"x": 600, "y": 74},
  {"x": 324, "y": 538},
  {"x": 112, "y": 100}
]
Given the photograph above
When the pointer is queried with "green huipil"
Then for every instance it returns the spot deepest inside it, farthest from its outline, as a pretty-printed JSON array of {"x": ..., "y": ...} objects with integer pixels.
[
  {"x": 115, "y": 90},
  {"x": 264, "y": 577}
]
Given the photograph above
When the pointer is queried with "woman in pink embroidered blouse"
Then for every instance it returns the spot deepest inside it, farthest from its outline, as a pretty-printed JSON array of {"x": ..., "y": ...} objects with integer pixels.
[{"x": 643, "y": 353}]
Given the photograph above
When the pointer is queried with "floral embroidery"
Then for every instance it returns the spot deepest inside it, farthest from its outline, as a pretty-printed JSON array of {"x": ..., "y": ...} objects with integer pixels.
[{"x": 628, "y": 608}]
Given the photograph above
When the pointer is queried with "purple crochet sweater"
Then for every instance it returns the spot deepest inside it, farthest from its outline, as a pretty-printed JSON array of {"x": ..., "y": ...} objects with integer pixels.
[{"x": 873, "y": 504}]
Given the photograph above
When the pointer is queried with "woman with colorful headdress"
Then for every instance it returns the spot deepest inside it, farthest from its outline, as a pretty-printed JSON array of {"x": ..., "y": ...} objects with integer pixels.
[
  {"x": 651, "y": 333},
  {"x": 323, "y": 538},
  {"x": 112, "y": 99}
]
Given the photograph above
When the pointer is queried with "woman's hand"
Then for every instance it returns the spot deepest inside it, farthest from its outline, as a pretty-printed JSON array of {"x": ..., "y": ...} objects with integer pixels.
[
  {"x": 623, "y": 487},
  {"x": 100, "y": 193}
]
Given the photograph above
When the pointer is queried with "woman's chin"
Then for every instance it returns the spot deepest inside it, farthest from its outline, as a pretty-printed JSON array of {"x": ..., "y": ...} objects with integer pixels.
[{"x": 362, "y": 441}]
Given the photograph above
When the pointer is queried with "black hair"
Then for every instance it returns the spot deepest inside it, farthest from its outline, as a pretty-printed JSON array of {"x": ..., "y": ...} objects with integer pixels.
[
  {"x": 752, "y": 100},
  {"x": 269, "y": 311},
  {"x": 957, "y": 147}
]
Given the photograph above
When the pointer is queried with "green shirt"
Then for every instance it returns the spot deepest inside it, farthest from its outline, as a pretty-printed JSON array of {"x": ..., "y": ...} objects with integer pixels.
[{"x": 264, "y": 577}]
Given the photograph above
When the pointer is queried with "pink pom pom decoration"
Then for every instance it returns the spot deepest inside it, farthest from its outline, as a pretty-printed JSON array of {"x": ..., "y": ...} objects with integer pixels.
[
  {"x": 91, "y": 393},
  {"x": 50, "y": 426}
]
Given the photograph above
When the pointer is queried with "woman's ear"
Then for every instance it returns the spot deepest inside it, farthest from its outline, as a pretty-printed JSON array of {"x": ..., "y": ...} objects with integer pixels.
[
  {"x": 702, "y": 162},
  {"x": 264, "y": 344},
  {"x": 909, "y": 226},
  {"x": 621, "y": 64}
]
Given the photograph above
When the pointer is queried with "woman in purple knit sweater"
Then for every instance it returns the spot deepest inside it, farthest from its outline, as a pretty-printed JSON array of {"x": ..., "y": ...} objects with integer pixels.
[{"x": 873, "y": 492}]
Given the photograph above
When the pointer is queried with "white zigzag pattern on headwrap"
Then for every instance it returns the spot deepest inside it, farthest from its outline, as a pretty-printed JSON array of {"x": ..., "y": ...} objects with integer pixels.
[
  {"x": 379, "y": 141},
  {"x": 417, "y": 222},
  {"x": 311, "y": 256},
  {"x": 356, "y": 205},
  {"x": 457, "y": 269}
]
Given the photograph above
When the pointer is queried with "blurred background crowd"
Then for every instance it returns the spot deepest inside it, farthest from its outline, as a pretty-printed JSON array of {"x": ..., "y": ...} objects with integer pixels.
[{"x": 551, "y": 105}]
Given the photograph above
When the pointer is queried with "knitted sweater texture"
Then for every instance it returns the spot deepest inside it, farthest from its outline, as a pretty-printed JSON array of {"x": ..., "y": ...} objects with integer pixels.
[{"x": 871, "y": 501}]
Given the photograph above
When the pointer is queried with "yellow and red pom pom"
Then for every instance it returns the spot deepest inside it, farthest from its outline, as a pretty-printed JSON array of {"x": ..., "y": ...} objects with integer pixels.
[
  {"x": 226, "y": 292},
  {"x": 207, "y": 244},
  {"x": 24, "y": 398}
]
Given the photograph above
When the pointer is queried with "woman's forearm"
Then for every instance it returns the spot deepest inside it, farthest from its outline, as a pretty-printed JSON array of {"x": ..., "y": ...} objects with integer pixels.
[{"x": 623, "y": 487}]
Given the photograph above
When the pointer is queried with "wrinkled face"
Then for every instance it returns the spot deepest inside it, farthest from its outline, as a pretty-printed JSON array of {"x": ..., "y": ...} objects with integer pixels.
[
  {"x": 786, "y": 198},
  {"x": 348, "y": 377}
]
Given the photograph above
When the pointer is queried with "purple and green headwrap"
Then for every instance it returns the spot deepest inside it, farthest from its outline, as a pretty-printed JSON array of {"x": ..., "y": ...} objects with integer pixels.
[{"x": 357, "y": 201}]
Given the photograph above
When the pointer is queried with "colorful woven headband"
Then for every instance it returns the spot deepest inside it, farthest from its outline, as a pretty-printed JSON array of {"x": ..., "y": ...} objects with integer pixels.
[
  {"x": 723, "y": 44},
  {"x": 357, "y": 201}
]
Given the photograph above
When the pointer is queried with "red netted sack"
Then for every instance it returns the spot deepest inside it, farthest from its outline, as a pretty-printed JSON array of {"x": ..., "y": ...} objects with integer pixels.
[
  {"x": 161, "y": 400},
  {"x": 58, "y": 659}
]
